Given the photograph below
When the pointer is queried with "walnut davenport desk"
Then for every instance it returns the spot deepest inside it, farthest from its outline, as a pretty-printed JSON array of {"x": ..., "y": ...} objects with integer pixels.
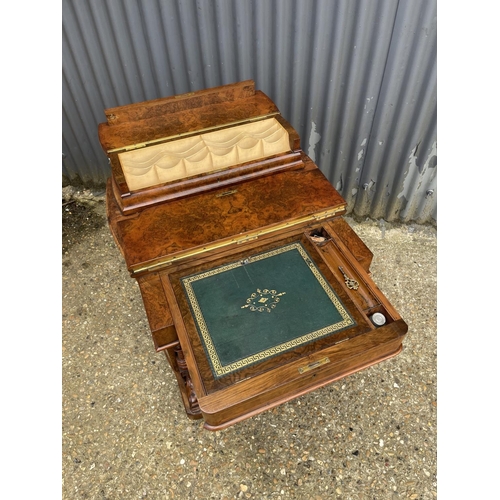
[{"x": 255, "y": 287}]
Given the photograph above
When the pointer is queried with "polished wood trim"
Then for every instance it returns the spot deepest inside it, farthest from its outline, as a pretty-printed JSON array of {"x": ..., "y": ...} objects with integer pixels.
[
  {"x": 352, "y": 241},
  {"x": 360, "y": 271},
  {"x": 336, "y": 259},
  {"x": 175, "y": 103},
  {"x": 167, "y": 230},
  {"x": 158, "y": 312},
  {"x": 134, "y": 201},
  {"x": 262, "y": 392},
  {"x": 184, "y": 339},
  {"x": 184, "y": 121},
  {"x": 170, "y": 229},
  {"x": 294, "y": 394}
]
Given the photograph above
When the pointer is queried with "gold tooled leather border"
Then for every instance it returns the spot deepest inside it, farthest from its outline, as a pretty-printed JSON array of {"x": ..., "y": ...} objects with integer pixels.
[{"x": 221, "y": 370}]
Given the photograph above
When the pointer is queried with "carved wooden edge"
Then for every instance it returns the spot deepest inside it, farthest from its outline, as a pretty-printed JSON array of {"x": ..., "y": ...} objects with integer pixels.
[
  {"x": 165, "y": 339},
  {"x": 193, "y": 407},
  {"x": 176, "y": 360},
  {"x": 120, "y": 183}
]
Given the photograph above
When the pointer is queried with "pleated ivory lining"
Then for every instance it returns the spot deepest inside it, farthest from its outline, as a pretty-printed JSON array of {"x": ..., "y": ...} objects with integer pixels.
[{"x": 203, "y": 153}]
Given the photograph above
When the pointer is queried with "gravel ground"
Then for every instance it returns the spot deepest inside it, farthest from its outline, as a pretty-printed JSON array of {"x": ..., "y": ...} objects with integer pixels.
[{"x": 125, "y": 434}]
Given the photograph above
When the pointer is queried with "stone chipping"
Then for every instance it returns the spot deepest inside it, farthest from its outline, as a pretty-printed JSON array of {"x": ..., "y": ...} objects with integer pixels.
[{"x": 126, "y": 436}]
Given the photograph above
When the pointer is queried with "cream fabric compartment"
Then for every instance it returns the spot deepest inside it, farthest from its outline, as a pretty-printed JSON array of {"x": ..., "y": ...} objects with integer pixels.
[{"x": 203, "y": 153}]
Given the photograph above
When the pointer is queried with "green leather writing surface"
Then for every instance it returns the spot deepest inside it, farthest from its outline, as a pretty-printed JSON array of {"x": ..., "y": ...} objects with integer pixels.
[{"x": 248, "y": 311}]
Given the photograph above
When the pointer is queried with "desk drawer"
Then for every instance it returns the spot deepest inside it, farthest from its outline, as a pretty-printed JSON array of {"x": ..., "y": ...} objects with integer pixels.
[{"x": 158, "y": 313}]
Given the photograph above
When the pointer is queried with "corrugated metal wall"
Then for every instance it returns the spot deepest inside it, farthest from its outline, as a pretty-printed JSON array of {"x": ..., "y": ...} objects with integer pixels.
[{"x": 356, "y": 78}]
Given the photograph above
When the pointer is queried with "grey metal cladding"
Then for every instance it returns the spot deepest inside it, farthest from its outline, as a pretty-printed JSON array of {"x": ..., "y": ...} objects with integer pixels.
[{"x": 356, "y": 78}]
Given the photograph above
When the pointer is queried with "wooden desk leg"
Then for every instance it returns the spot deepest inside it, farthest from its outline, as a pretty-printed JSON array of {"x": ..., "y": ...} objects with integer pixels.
[{"x": 176, "y": 359}]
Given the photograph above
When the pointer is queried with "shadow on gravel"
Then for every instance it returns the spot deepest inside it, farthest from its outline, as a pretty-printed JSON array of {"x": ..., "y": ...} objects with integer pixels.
[{"x": 78, "y": 220}]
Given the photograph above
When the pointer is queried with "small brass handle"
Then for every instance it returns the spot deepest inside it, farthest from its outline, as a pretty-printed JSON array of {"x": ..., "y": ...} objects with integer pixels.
[{"x": 313, "y": 365}]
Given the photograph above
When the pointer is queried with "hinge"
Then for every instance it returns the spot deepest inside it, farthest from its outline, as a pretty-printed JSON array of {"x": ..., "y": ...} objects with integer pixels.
[
  {"x": 166, "y": 261},
  {"x": 160, "y": 140},
  {"x": 326, "y": 215},
  {"x": 244, "y": 239}
]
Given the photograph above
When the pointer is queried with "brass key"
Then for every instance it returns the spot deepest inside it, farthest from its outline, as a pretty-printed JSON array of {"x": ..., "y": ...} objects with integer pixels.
[{"x": 352, "y": 284}]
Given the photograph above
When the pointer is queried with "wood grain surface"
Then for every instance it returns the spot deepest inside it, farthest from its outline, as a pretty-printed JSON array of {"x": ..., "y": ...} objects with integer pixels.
[{"x": 182, "y": 227}]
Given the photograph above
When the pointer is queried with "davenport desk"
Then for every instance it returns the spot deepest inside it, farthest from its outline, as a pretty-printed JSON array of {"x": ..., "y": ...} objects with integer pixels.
[{"x": 255, "y": 287}]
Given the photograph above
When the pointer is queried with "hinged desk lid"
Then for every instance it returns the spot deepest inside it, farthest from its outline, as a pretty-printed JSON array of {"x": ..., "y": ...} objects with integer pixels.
[
  {"x": 144, "y": 123},
  {"x": 165, "y": 233}
]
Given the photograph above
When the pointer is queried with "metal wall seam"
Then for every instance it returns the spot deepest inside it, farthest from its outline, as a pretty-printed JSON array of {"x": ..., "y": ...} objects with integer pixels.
[
  {"x": 405, "y": 114},
  {"x": 356, "y": 78}
]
